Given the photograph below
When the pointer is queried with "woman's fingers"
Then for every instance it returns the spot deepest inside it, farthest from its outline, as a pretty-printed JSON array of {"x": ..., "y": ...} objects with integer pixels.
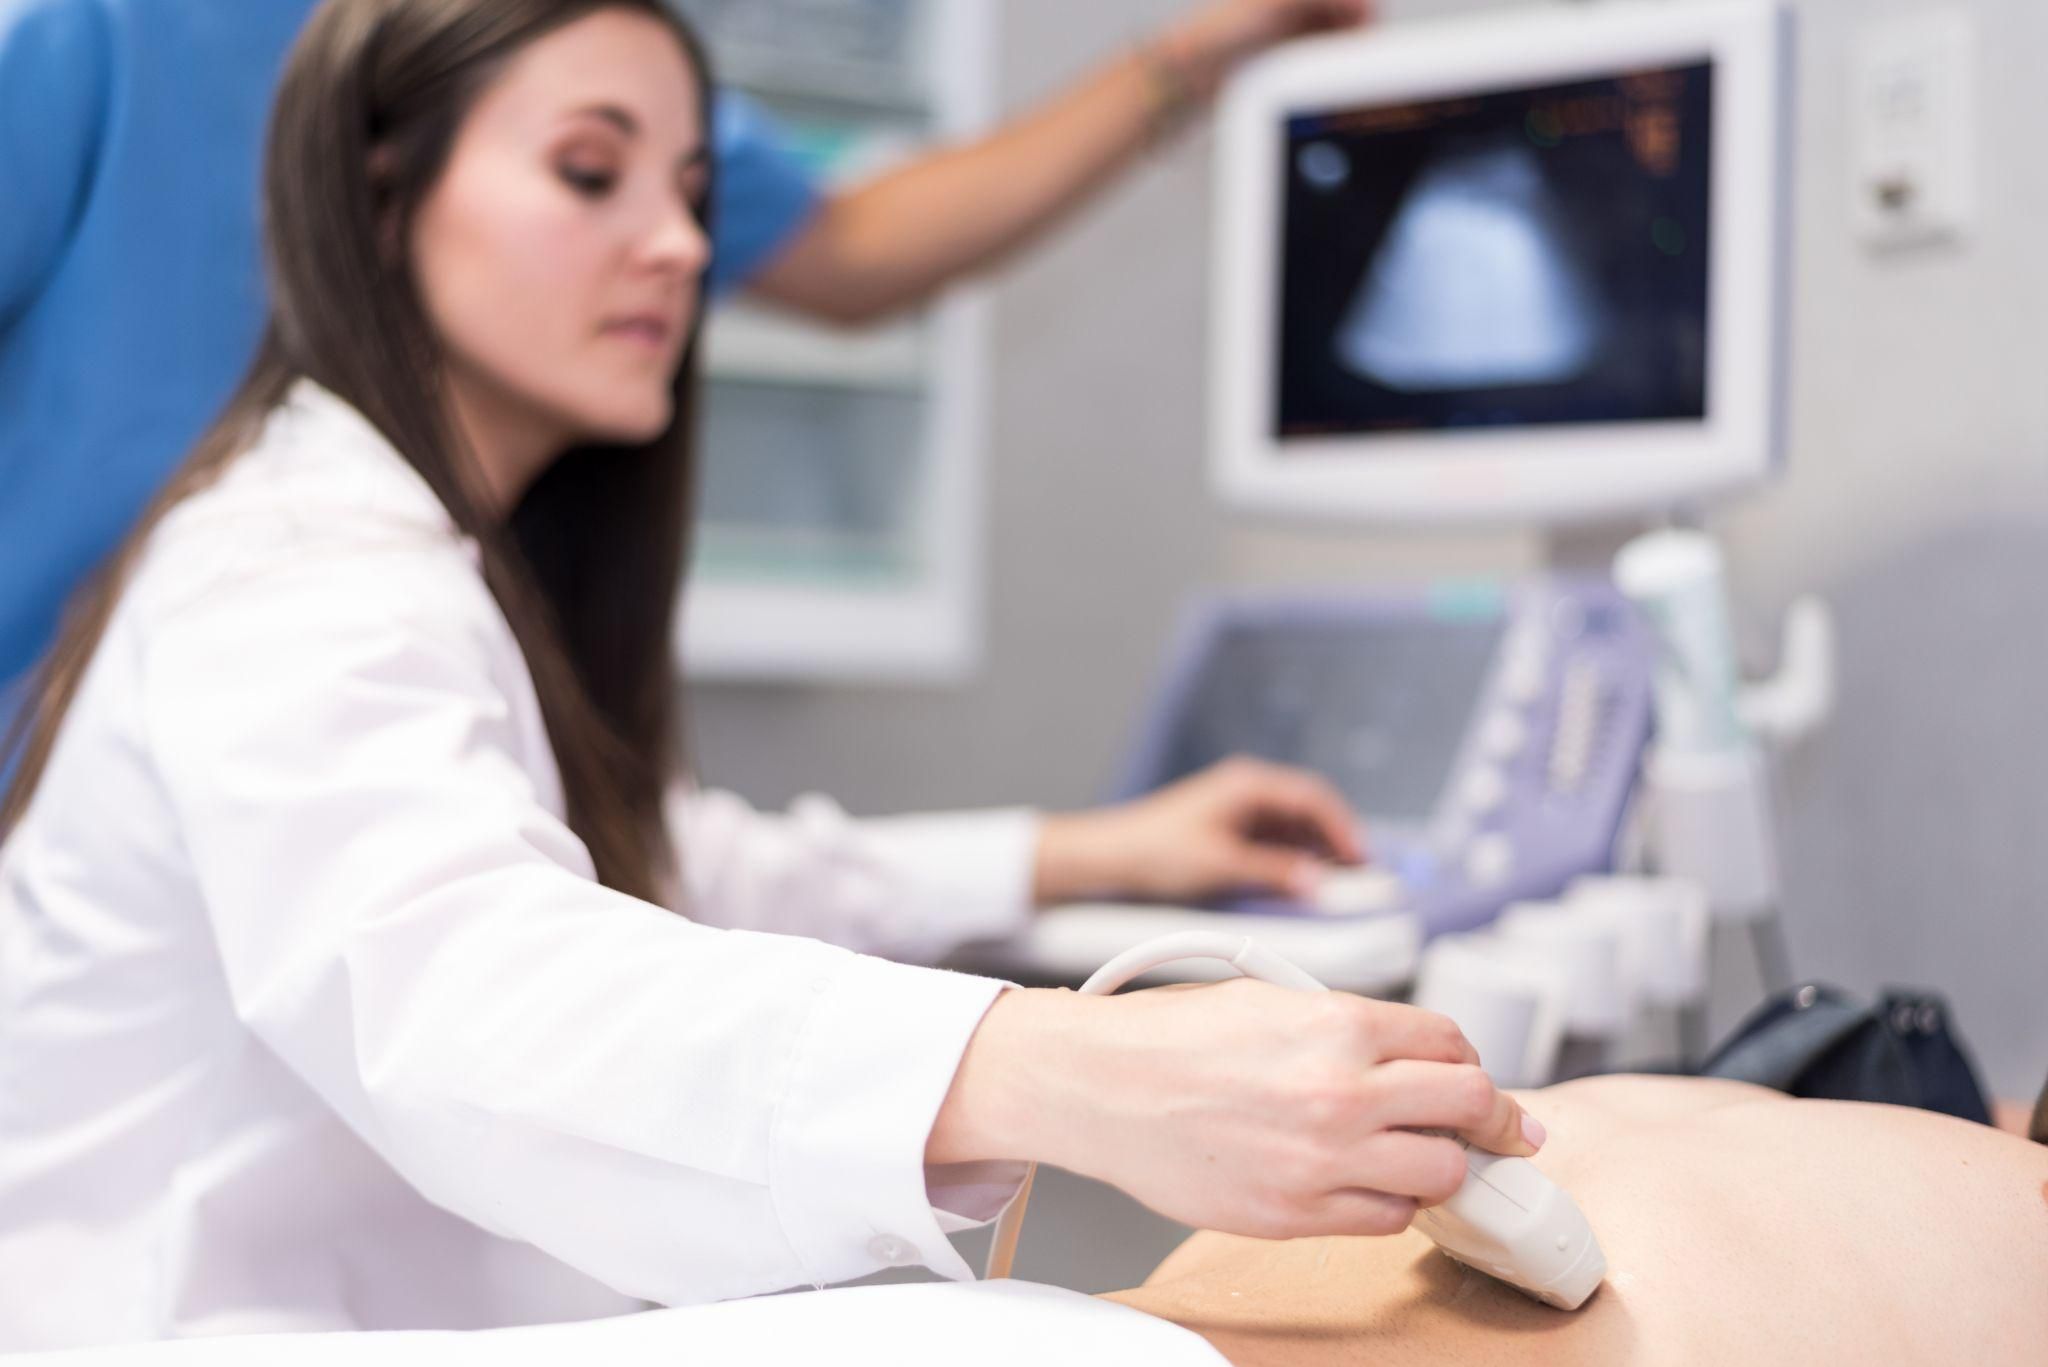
[
  {"x": 1319, "y": 806},
  {"x": 1507, "y": 1129},
  {"x": 1354, "y": 1212},
  {"x": 1396, "y": 1032},
  {"x": 1269, "y": 868},
  {"x": 1272, "y": 793},
  {"x": 1251, "y": 1109},
  {"x": 1459, "y": 1098},
  {"x": 1425, "y": 1167}
]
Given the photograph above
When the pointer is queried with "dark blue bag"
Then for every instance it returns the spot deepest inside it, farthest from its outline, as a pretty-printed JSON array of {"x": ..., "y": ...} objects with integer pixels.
[{"x": 1818, "y": 1041}]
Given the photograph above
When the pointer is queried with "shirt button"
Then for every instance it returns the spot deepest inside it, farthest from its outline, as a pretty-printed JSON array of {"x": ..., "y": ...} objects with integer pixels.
[{"x": 892, "y": 1251}]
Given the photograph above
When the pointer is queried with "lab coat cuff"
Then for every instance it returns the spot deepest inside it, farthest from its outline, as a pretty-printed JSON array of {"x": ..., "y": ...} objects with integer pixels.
[
  {"x": 967, "y": 1196},
  {"x": 975, "y": 869},
  {"x": 873, "y": 1066}
]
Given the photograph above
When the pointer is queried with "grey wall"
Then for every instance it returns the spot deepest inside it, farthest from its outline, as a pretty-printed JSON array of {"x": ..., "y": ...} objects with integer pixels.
[{"x": 1917, "y": 501}]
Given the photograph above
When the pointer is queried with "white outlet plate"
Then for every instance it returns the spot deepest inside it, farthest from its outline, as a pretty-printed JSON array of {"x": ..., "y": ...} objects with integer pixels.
[{"x": 1914, "y": 122}]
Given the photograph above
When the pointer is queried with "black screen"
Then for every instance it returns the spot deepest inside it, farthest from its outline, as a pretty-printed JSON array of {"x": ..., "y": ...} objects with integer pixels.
[
  {"x": 1378, "y": 708},
  {"x": 1526, "y": 256}
]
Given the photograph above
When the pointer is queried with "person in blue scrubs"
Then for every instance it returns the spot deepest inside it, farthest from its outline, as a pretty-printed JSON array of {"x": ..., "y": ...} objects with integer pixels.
[{"x": 131, "y": 283}]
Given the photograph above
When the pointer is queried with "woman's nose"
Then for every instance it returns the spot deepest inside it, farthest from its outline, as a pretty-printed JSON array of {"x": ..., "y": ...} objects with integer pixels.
[{"x": 678, "y": 241}]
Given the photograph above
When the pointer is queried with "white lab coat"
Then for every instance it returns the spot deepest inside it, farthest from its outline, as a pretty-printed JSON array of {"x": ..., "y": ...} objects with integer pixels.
[{"x": 313, "y": 1017}]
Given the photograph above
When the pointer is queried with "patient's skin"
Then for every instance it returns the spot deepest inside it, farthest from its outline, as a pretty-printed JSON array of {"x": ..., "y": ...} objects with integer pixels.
[{"x": 1739, "y": 1226}]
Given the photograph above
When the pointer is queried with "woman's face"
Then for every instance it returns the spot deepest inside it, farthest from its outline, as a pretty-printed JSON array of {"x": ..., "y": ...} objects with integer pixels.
[{"x": 559, "y": 254}]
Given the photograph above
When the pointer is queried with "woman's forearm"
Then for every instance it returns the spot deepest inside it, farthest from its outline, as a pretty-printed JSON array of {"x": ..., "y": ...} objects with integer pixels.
[{"x": 894, "y": 241}]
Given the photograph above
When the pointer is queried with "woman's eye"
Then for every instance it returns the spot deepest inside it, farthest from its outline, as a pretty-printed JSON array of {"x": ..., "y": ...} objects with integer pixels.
[{"x": 591, "y": 184}]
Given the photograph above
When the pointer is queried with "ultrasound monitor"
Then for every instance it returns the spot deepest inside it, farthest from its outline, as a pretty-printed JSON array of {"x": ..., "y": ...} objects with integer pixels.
[
  {"x": 1380, "y": 709},
  {"x": 1504, "y": 269}
]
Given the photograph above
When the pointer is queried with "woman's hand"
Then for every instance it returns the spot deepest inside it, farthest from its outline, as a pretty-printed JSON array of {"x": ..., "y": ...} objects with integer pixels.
[
  {"x": 1242, "y": 825},
  {"x": 1242, "y": 1107},
  {"x": 1213, "y": 39}
]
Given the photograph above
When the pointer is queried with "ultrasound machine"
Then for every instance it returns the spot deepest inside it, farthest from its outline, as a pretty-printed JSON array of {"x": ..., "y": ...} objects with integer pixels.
[{"x": 1517, "y": 271}]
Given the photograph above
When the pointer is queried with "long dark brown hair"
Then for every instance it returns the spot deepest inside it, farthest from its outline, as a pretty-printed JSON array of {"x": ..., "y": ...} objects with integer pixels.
[{"x": 588, "y": 566}]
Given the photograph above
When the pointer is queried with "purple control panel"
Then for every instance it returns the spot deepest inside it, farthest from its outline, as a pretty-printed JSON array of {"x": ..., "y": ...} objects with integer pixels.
[{"x": 1490, "y": 735}]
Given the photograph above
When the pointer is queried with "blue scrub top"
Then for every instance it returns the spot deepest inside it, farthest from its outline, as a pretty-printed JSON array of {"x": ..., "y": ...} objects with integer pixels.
[{"x": 131, "y": 279}]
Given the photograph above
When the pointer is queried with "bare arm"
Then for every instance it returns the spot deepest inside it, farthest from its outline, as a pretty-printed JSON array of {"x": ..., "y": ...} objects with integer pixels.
[
  {"x": 1242, "y": 1107},
  {"x": 891, "y": 243}
]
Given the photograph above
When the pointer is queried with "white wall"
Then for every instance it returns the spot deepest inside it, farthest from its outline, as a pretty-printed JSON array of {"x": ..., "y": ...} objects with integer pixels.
[{"x": 1917, "y": 500}]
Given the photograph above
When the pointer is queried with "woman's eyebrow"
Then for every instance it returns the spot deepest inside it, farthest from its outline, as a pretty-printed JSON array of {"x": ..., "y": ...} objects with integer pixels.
[
  {"x": 616, "y": 115},
  {"x": 622, "y": 119}
]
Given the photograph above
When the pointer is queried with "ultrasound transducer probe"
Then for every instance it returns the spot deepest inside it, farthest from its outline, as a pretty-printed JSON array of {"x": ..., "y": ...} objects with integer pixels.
[{"x": 1508, "y": 1220}]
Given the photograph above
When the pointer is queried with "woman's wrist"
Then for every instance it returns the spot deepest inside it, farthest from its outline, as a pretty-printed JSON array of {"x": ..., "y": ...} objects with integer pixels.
[
  {"x": 1203, "y": 48},
  {"x": 1079, "y": 855},
  {"x": 1013, "y": 1095},
  {"x": 1180, "y": 80}
]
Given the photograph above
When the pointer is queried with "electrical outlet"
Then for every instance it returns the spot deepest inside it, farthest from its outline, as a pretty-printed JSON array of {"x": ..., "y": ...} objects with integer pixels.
[{"x": 1914, "y": 122}]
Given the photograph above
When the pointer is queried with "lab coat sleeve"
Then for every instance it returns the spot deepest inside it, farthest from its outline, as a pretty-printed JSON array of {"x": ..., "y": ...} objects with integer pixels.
[
  {"x": 683, "y": 1112},
  {"x": 907, "y": 887},
  {"x": 54, "y": 72}
]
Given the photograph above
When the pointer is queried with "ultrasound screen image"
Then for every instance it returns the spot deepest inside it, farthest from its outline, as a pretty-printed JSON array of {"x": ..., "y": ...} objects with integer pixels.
[{"x": 1530, "y": 256}]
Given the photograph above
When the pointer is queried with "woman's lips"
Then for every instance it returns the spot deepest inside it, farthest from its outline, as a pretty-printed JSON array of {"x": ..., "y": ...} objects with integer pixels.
[{"x": 648, "y": 330}]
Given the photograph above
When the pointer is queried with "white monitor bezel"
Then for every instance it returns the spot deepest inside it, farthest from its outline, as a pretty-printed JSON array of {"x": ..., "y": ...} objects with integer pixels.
[{"x": 1548, "y": 474}]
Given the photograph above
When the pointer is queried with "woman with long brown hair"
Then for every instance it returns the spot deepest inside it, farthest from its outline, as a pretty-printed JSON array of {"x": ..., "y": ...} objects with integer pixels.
[{"x": 349, "y": 977}]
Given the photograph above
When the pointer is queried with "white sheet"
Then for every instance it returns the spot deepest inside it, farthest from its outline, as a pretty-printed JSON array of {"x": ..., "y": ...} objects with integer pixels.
[{"x": 989, "y": 1324}]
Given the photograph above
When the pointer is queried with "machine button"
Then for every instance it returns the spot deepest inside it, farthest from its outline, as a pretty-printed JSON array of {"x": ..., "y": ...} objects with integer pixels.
[
  {"x": 1454, "y": 830},
  {"x": 1491, "y": 861},
  {"x": 1568, "y": 619},
  {"x": 1503, "y": 736},
  {"x": 1521, "y": 681},
  {"x": 1486, "y": 788}
]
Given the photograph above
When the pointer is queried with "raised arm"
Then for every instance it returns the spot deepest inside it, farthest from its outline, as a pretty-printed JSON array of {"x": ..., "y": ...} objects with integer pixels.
[{"x": 890, "y": 243}]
